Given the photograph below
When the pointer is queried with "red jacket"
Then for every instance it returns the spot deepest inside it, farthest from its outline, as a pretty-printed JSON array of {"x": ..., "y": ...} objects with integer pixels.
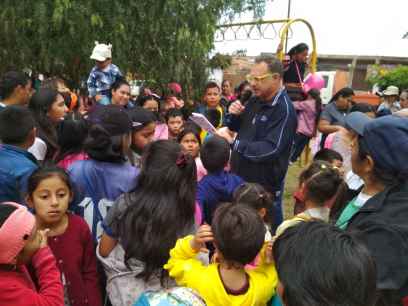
[
  {"x": 76, "y": 259},
  {"x": 17, "y": 288}
]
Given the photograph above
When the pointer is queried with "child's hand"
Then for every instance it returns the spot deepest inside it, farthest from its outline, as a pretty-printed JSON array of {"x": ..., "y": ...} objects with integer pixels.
[
  {"x": 203, "y": 235},
  {"x": 215, "y": 258},
  {"x": 268, "y": 253},
  {"x": 44, "y": 237}
]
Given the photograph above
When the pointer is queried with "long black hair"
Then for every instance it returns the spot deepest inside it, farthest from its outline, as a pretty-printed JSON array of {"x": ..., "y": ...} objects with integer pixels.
[
  {"x": 344, "y": 93},
  {"x": 39, "y": 105},
  {"x": 299, "y": 48},
  {"x": 161, "y": 209}
]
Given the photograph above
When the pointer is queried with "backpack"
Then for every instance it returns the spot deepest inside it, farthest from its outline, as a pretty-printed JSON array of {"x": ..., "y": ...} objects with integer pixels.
[{"x": 178, "y": 296}]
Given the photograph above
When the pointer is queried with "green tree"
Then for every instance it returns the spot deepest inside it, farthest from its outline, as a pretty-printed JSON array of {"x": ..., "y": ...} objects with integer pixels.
[
  {"x": 161, "y": 40},
  {"x": 386, "y": 77}
]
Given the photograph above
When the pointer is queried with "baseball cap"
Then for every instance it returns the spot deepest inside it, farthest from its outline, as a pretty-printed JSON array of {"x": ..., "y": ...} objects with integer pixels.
[
  {"x": 113, "y": 118},
  {"x": 101, "y": 52},
  {"x": 391, "y": 91},
  {"x": 140, "y": 117},
  {"x": 385, "y": 138},
  {"x": 357, "y": 121}
]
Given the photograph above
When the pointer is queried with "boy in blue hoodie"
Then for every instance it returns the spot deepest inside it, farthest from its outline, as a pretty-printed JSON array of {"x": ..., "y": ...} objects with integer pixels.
[
  {"x": 218, "y": 185},
  {"x": 17, "y": 134}
]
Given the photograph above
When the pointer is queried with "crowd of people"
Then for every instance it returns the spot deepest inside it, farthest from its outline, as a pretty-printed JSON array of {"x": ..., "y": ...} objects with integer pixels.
[{"x": 108, "y": 198}]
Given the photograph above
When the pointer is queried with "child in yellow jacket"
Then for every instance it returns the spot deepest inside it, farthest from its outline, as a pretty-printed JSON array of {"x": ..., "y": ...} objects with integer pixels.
[{"x": 238, "y": 234}]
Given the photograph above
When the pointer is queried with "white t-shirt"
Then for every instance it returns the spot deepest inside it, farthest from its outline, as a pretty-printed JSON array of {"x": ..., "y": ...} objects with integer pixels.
[
  {"x": 353, "y": 180},
  {"x": 38, "y": 149},
  {"x": 361, "y": 199}
]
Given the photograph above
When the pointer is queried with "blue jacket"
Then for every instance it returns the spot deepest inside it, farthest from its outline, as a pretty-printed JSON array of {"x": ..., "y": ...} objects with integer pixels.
[
  {"x": 16, "y": 166},
  {"x": 266, "y": 131},
  {"x": 97, "y": 185},
  {"x": 214, "y": 189}
]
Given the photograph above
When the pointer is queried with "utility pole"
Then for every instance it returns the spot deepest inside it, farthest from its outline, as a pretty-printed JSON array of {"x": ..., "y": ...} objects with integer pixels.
[{"x": 286, "y": 41}]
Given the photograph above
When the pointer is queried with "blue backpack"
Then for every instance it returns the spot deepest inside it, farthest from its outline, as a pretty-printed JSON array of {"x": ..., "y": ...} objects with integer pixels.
[{"x": 178, "y": 296}]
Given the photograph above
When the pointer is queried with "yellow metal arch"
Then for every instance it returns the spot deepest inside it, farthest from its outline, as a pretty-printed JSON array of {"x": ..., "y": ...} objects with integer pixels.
[{"x": 284, "y": 33}]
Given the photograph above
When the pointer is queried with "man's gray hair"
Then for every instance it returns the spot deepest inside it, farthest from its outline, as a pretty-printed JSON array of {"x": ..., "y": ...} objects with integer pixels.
[{"x": 274, "y": 65}]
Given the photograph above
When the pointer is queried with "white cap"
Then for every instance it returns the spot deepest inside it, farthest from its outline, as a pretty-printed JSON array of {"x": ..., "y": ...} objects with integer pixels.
[
  {"x": 101, "y": 52},
  {"x": 391, "y": 91}
]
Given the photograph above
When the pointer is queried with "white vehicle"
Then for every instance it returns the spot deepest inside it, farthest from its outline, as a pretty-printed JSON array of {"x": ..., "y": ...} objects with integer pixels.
[{"x": 327, "y": 92}]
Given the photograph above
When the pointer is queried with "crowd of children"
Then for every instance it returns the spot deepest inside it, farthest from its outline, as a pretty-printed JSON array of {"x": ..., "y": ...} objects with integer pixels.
[{"x": 128, "y": 202}]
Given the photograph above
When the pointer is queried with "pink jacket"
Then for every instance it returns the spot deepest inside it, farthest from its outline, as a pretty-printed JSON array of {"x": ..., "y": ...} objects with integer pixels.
[
  {"x": 161, "y": 132},
  {"x": 18, "y": 289},
  {"x": 71, "y": 158},
  {"x": 306, "y": 113}
]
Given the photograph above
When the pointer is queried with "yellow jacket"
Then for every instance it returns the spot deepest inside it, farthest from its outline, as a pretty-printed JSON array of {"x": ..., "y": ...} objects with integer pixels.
[{"x": 188, "y": 271}]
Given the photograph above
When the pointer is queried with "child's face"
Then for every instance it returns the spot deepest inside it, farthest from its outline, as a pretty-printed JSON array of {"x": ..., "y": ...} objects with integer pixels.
[
  {"x": 102, "y": 65},
  {"x": 50, "y": 200},
  {"x": 142, "y": 138},
  {"x": 151, "y": 105},
  {"x": 58, "y": 110},
  {"x": 190, "y": 145},
  {"x": 212, "y": 97},
  {"x": 226, "y": 88},
  {"x": 175, "y": 125}
]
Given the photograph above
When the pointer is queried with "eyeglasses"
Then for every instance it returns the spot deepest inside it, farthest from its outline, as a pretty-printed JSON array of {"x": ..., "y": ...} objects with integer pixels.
[{"x": 251, "y": 78}]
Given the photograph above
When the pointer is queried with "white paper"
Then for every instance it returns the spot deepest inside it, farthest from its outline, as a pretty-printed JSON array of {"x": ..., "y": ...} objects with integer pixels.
[{"x": 203, "y": 122}]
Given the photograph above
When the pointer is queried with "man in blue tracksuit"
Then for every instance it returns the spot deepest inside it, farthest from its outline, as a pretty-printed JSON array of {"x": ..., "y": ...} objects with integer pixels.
[{"x": 266, "y": 128}]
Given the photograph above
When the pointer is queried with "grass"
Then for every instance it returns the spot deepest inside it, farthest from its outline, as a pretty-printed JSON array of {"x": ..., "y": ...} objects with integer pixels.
[{"x": 291, "y": 184}]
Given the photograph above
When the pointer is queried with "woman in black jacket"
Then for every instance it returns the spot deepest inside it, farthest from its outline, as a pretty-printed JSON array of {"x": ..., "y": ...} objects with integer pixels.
[{"x": 380, "y": 210}]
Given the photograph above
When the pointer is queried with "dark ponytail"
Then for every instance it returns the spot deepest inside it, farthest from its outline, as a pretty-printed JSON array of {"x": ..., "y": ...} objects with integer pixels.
[
  {"x": 321, "y": 181},
  {"x": 299, "y": 48},
  {"x": 100, "y": 146}
]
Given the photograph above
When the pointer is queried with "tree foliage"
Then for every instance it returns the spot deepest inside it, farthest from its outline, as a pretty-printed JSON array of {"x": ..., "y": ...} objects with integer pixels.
[
  {"x": 386, "y": 77},
  {"x": 161, "y": 40},
  {"x": 221, "y": 61}
]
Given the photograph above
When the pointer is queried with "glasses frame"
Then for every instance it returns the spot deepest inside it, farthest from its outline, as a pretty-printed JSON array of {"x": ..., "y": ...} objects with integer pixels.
[{"x": 260, "y": 78}]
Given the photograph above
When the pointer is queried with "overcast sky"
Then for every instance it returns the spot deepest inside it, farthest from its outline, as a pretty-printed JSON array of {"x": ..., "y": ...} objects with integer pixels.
[{"x": 346, "y": 27}]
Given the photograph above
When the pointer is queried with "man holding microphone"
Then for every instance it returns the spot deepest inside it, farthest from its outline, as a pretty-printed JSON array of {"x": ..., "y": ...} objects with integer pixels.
[{"x": 266, "y": 128}]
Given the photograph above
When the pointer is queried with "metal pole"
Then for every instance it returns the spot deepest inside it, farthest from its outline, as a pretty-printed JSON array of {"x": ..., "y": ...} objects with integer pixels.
[
  {"x": 286, "y": 41},
  {"x": 252, "y": 23}
]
